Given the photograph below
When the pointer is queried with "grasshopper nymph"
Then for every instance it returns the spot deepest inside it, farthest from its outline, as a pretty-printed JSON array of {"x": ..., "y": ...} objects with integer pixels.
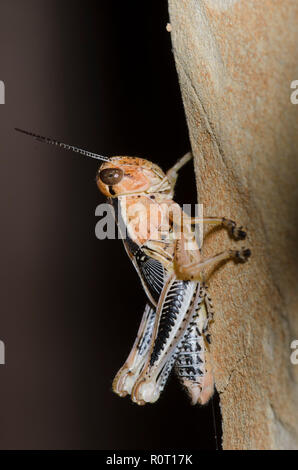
[{"x": 174, "y": 328}]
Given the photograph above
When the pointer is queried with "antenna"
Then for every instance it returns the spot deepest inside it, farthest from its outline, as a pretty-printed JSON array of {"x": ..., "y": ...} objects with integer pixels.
[{"x": 48, "y": 140}]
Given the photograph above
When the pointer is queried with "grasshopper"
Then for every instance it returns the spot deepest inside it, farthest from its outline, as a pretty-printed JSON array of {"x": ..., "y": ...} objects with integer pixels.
[{"x": 173, "y": 333}]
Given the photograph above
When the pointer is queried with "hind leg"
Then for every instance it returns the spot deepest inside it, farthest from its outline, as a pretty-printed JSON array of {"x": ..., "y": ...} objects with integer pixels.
[{"x": 129, "y": 372}]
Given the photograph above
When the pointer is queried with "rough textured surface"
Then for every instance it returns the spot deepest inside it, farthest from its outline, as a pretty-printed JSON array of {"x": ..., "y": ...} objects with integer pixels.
[{"x": 236, "y": 60}]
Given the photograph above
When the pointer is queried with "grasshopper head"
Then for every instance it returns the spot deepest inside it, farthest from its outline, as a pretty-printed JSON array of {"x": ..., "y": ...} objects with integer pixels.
[
  {"x": 130, "y": 175},
  {"x": 119, "y": 175}
]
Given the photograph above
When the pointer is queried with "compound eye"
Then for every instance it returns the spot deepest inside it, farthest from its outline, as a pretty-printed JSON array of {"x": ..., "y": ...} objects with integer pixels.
[{"x": 111, "y": 176}]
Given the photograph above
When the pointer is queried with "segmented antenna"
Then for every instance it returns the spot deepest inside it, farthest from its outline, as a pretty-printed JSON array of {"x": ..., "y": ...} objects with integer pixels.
[{"x": 48, "y": 140}]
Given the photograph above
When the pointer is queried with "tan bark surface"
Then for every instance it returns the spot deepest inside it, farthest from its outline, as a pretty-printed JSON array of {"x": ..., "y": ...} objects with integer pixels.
[{"x": 236, "y": 60}]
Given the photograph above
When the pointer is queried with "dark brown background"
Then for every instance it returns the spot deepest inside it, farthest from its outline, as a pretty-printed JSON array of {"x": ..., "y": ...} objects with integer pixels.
[{"x": 99, "y": 75}]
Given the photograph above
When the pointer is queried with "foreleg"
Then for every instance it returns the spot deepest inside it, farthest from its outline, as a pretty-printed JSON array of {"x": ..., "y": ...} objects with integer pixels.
[
  {"x": 234, "y": 231},
  {"x": 194, "y": 270},
  {"x": 172, "y": 173}
]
